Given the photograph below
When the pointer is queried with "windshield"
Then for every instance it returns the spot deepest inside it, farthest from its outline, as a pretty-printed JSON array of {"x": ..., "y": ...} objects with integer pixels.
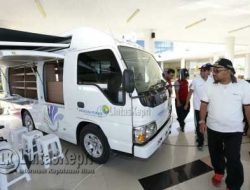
[{"x": 146, "y": 70}]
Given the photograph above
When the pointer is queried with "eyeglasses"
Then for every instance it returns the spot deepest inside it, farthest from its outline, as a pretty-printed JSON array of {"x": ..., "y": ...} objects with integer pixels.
[
  {"x": 204, "y": 70},
  {"x": 217, "y": 70}
]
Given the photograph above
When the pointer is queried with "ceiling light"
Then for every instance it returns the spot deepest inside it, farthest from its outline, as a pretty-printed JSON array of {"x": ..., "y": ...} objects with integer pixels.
[
  {"x": 133, "y": 15},
  {"x": 238, "y": 29},
  {"x": 195, "y": 23},
  {"x": 40, "y": 8}
]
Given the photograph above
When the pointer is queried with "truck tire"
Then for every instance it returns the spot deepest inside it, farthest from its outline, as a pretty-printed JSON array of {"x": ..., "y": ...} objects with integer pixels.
[
  {"x": 95, "y": 144},
  {"x": 28, "y": 121}
]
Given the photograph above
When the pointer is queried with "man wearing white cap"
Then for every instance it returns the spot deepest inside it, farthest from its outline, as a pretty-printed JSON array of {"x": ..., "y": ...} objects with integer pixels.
[{"x": 197, "y": 88}]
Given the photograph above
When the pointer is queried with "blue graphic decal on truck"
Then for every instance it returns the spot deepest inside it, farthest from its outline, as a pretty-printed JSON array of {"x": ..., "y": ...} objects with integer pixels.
[{"x": 52, "y": 117}]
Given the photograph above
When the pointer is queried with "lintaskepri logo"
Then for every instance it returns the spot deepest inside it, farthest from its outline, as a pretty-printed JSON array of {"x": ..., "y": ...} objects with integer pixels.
[{"x": 9, "y": 160}]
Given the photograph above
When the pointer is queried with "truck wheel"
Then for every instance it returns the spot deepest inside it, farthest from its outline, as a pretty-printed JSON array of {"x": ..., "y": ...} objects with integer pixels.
[
  {"x": 28, "y": 121},
  {"x": 94, "y": 144}
]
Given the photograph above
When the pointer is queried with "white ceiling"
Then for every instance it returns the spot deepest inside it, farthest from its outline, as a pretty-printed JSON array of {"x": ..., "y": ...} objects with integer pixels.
[{"x": 167, "y": 18}]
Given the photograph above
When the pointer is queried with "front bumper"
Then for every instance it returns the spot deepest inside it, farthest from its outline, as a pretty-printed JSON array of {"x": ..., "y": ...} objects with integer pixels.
[{"x": 145, "y": 151}]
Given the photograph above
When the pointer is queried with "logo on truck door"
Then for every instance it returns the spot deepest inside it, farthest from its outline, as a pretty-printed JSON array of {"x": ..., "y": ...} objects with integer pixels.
[
  {"x": 52, "y": 117},
  {"x": 105, "y": 109},
  {"x": 100, "y": 111}
]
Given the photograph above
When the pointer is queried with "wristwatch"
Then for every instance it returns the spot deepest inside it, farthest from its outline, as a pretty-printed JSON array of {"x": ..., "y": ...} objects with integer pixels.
[{"x": 202, "y": 121}]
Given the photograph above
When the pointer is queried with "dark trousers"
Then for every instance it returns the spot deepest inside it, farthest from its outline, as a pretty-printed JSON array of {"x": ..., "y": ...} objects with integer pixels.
[
  {"x": 224, "y": 150},
  {"x": 200, "y": 136},
  {"x": 182, "y": 113}
]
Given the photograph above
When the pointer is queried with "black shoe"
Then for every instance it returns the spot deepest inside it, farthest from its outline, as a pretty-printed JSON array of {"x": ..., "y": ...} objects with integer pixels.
[
  {"x": 182, "y": 129},
  {"x": 200, "y": 147}
]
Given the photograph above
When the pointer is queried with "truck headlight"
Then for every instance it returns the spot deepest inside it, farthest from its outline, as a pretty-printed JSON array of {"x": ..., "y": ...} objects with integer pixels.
[{"x": 145, "y": 132}]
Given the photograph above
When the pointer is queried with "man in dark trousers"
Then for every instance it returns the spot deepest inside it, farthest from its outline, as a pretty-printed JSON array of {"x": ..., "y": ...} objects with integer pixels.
[
  {"x": 196, "y": 88},
  {"x": 222, "y": 102},
  {"x": 181, "y": 92}
]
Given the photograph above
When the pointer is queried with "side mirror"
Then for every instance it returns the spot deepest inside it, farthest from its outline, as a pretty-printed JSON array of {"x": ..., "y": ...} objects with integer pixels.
[{"x": 128, "y": 80}]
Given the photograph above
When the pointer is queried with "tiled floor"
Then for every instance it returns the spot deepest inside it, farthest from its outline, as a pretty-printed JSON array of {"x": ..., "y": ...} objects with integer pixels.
[{"x": 122, "y": 172}]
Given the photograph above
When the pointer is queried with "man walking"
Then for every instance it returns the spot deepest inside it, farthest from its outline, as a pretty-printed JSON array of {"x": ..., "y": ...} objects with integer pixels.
[
  {"x": 181, "y": 93},
  {"x": 222, "y": 102},
  {"x": 197, "y": 88}
]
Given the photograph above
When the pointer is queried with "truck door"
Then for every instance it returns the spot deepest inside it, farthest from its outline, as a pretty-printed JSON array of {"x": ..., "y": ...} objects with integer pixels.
[
  {"x": 53, "y": 107},
  {"x": 96, "y": 96}
]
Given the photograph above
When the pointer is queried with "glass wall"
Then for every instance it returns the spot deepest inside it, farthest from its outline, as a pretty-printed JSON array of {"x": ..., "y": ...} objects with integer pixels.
[
  {"x": 141, "y": 43},
  {"x": 1, "y": 86},
  {"x": 163, "y": 46}
]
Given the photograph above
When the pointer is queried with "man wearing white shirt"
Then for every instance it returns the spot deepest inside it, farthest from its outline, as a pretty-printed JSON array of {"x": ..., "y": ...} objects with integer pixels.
[
  {"x": 197, "y": 89},
  {"x": 222, "y": 102}
]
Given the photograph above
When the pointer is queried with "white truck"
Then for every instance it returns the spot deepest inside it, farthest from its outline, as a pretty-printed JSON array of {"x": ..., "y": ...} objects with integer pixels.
[{"x": 88, "y": 89}]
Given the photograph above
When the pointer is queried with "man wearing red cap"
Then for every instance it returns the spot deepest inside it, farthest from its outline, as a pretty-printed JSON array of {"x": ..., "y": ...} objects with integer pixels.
[{"x": 222, "y": 102}]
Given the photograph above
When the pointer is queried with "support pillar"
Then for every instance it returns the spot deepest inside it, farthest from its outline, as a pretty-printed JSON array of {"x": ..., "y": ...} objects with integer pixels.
[
  {"x": 215, "y": 58},
  {"x": 247, "y": 67},
  {"x": 150, "y": 45},
  {"x": 183, "y": 63},
  {"x": 229, "y": 48}
]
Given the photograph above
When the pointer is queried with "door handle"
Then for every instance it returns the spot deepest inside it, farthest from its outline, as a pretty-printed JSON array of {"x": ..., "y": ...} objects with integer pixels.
[{"x": 80, "y": 104}]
